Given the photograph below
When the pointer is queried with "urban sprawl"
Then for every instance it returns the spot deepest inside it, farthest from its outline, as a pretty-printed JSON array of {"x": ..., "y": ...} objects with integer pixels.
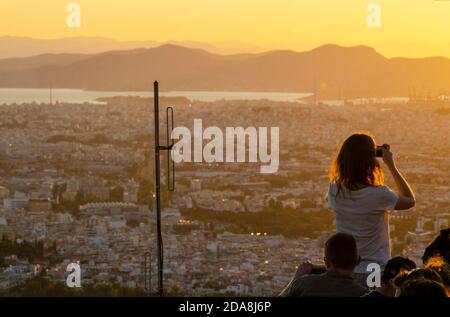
[{"x": 77, "y": 185}]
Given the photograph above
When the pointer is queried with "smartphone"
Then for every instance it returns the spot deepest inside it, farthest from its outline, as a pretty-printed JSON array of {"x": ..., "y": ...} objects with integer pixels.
[{"x": 379, "y": 151}]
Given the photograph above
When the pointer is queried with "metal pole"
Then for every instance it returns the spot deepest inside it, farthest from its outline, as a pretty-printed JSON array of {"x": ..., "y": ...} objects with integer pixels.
[
  {"x": 158, "y": 189},
  {"x": 148, "y": 271}
]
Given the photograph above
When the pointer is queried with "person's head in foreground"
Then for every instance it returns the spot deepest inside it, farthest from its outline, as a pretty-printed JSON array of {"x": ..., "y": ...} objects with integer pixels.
[
  {"x": 394, "y": 267},
  {"x": 422, "y": 287},
  {"x": 341, "y": 253},
  {"x": 341, "y": 257},
  {"x": 439, "y": 247},
  {"x": 438, "y": 264},
  {"x": 420, "y": 283},
  {"x": 437, "y": 257}
]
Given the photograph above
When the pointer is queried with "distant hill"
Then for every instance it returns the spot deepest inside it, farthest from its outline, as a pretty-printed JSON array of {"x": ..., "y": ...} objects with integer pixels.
[
  {"x": 15, "y": 64},
  {"x": 14, "y": 46},
  {"x": 339, "y": 72}
]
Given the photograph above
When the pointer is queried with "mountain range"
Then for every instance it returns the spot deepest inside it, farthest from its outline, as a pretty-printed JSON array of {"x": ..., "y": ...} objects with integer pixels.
[
  {"x": 334, "y": 71},
  {"x": 16, "y": 46}
]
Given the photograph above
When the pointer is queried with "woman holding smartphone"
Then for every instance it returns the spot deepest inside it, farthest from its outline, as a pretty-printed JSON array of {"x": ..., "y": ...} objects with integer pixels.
[{"x": 361, "y": 201}]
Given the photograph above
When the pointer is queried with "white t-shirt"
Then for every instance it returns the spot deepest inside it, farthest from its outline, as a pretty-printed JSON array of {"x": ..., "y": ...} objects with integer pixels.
[{"x": 363, "y": 214}]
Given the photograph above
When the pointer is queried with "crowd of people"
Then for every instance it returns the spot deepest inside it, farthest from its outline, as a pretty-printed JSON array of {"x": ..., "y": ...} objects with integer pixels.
[
  {"x": 401, "y": 277},
  {"x": 360, "y": 249}
]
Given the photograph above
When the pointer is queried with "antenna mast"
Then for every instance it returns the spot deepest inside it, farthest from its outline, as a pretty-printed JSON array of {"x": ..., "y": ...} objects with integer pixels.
[{"x": 171, "y": 180}]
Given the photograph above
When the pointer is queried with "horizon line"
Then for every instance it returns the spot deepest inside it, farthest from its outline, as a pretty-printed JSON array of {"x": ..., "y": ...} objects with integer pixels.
[{"x": 184, "y": 43}]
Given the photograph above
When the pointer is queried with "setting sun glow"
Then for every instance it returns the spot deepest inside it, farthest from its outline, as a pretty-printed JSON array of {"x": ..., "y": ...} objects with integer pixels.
[{"x": 408, "y": 28}]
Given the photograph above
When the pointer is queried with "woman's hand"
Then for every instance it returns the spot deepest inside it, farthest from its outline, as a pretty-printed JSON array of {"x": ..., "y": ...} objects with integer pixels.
[
  {"x": 388, "y": 157},
  {"x": 406, "y": 198}
]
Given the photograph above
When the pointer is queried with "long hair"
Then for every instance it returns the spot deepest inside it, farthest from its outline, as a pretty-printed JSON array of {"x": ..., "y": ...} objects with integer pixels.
[{"x": 356, "y": 163}]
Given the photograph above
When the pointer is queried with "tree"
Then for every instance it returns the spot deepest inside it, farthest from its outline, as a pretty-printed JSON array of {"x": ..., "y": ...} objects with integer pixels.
[{"x": 116, "y": 193}]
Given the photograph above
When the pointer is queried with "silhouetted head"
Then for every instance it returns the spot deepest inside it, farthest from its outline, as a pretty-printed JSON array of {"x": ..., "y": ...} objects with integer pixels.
[
  {"x": 356, "y": 163},
  {"x": 438, "y": 264},
  {"x": 395, "y": 266},
  {"x": 341, "y": 252},
  {"x": 439, "y": 247},
  {"x": 422, "y": 287},
  {"x": 426, "y": 273}
]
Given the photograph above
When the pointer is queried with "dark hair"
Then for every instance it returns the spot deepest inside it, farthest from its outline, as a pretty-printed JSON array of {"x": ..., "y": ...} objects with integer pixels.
[
  {"x": 428, "y": 274},
  {"x": 422, "y": 287},
  {"x": 341, "y": 251},
  {"x": 438, "y": 264},
  {"x": 395, "y": 266},
  {"x": 439, "y": 247},
  {"x": 356, "y": 163}
]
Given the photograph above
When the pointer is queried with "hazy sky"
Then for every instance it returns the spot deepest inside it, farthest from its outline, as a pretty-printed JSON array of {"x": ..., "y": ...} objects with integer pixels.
[{"x": 409, "y": 27}]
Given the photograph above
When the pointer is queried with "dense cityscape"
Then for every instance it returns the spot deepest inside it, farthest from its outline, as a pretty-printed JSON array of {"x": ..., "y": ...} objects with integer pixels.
[{"x": 76, "y": 185}]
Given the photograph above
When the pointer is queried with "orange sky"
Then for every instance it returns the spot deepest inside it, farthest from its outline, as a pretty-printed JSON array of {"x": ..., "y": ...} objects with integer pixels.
[{"x": 409, "y": 27}]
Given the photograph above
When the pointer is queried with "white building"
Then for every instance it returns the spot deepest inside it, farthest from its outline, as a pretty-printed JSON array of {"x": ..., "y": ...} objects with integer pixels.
[
  {"x": 15, "y": 203},
  {"x": 73, "y": 185},
  {"x": 4, "y": 192},
  {"x": 196, "y": 185},
  {"x": 117, "y": 222},
  {"x": 131, "y": 192}
]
